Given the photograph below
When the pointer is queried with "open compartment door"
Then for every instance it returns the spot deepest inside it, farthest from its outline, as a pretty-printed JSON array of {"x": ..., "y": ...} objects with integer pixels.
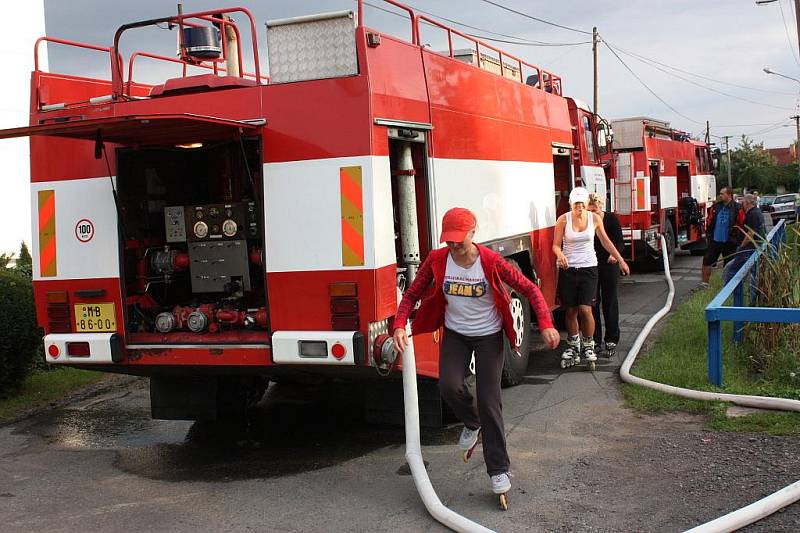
[{"x": 154, "y": 129}]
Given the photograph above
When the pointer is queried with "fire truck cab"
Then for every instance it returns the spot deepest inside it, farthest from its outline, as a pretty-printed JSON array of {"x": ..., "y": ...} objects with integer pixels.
[{"x": 224, "y": 228}]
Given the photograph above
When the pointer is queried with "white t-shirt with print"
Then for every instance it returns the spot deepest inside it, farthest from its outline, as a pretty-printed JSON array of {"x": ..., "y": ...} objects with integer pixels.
[{"x": 470, "y": 300}]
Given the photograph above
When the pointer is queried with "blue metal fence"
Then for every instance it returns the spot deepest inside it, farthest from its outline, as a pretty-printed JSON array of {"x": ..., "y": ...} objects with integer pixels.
[{"x": 717, "y": 312}]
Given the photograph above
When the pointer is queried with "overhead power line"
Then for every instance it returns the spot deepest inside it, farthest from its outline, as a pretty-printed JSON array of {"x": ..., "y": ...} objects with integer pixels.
[
  {"x": 629, "y": 69},
  {"x": 537, "y": 19},
  {"x": 651, "y": 60},
  {"x": 773, "y": 127},
  {"x": 788, "y": 37},
  {"x": 516, "y": 40},
  {"x": 711, "y": 89},
  {"x": 524, "y": 41}
]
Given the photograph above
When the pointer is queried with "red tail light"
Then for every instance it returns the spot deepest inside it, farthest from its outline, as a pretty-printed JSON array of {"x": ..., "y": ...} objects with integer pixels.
[
  {"x": 344, "y": 306},
  {"x": 338, "y": 350},
  {"x": 78, "y": 349},
  {"x": 58, "y": 318}
]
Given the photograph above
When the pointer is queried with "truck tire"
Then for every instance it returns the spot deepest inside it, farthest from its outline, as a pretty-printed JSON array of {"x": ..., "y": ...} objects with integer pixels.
[
  {"x": 669, "y": 236},
  {"x": 516, "y": 366},
  {"x": 653, "y": 263}
]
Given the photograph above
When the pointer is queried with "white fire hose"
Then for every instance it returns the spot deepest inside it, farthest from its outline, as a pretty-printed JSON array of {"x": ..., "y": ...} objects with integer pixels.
[
  {"x": 435, "y": 507},
  {"x": 759, "y": 509}
]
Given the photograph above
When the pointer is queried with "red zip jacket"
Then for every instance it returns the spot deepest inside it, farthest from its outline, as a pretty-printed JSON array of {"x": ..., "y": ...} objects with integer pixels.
[{"x": 430, "y": 315}]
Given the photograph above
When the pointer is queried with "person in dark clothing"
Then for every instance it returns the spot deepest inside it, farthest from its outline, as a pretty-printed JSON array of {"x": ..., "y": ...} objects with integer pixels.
[
  {"x": 723, "y": 230},
  {"x": 753, "y": 234},
  {"x": 608, "y": 278}
]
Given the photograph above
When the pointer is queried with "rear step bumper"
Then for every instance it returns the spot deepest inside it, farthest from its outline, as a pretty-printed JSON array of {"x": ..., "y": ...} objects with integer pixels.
[
  {"x": 318, "y": 348},
  {"x": 104, "y": 348}
]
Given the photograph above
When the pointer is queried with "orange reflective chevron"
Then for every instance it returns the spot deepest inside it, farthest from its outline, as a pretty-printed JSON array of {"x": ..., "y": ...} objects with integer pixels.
[
  {"x": 47, "y": 233},
  {"x": 352, "y": 205}
]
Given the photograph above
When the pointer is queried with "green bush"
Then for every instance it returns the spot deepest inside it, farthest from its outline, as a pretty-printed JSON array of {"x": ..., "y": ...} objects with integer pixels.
[{"x": 19, "y": 334}]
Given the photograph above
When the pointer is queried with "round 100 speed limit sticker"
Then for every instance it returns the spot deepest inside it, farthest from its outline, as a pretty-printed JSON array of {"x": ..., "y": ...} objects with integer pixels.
[{"x": 84, "y": 230}]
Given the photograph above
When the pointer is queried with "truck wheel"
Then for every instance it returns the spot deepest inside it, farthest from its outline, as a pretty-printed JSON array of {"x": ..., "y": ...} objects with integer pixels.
[
  {"x": 669, "y": 236},
  {"x": 515, "y": 366}
]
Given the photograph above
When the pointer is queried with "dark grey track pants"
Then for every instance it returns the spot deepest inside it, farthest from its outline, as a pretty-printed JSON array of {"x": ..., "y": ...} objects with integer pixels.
[{"x": 486, "y": 409}]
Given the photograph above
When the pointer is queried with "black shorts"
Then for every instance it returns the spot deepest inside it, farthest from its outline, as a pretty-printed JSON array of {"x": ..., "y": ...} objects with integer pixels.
[
  {"x": 577, "y": 286},
  {"x": 715, "y": 249}
]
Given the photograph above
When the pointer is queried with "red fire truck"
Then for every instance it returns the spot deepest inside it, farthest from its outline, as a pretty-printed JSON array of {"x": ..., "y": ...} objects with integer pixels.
[
  {"x": 218, "y": 230},
  {"x": 662, "y": 181}
]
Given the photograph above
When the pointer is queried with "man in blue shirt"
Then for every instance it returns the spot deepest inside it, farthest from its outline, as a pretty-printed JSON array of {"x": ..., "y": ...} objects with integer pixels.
[
  {"x": 723, "y": 232},
  {"x": 754, "y": 234}
]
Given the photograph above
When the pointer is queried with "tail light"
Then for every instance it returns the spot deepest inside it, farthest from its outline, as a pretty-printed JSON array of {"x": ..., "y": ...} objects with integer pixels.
[
  {"x": 344, "y": 306},
  {"x": 78, "y": 349},
  {"x": 58, "y": 317}
]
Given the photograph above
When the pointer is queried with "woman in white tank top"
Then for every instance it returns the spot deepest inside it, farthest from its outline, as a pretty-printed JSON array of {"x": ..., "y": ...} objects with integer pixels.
[{"x": 573, "y": 246}]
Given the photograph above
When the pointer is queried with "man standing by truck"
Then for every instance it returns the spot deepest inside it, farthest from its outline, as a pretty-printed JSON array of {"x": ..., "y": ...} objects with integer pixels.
[
  {"x": 753, "y": 233},
  {"x": 723, "y": 230}
]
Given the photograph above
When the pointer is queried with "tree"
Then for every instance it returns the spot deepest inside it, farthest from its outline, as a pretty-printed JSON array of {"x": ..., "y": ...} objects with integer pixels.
[
  {"x": 753, "y": 167},
  {"x": 4, "y": 260},
  {"x": 24, "y": 261}
]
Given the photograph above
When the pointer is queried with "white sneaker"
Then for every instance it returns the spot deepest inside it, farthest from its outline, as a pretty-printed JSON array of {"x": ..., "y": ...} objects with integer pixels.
[
  {"x": 501, "y": 483},
  {"x": 468, "y": 438}
]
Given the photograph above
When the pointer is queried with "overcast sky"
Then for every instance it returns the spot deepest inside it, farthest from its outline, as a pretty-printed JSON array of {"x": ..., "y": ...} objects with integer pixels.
[{"x": 727, "y": 41}]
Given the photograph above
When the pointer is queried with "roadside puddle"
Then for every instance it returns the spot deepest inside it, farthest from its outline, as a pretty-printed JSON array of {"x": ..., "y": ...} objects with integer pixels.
[{"x": 294, "y": 429}]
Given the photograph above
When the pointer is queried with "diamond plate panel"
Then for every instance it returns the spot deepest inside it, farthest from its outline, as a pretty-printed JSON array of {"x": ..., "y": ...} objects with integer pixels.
[{"x": 312, "y": 49}]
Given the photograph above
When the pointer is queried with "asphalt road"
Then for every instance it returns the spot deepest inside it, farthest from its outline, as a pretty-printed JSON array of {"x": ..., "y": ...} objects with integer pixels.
[{"x": 308, "y": 463}]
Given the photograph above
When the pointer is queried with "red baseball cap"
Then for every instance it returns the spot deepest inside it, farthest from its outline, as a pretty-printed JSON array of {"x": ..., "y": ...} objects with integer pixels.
[{"x": 456, "y": 223}]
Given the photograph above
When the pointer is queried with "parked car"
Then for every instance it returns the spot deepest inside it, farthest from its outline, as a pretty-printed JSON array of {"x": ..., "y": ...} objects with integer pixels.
[
  {"x": 765, "y": 202},
  {"x": 785, "y": 206}
]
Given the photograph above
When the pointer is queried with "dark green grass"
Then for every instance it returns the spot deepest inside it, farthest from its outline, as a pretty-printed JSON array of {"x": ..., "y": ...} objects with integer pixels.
[
  {"x": 679, "y": 357},
  {"x": 43, "y": 387}
]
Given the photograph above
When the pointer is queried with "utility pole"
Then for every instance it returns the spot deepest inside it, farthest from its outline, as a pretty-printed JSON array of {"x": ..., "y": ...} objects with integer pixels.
[
  {"x": 708, "y": 133},
  {"x": 728, "y": 157},
  {"x": 594, "y": 53},
  {"x": 797, "y": 143}
]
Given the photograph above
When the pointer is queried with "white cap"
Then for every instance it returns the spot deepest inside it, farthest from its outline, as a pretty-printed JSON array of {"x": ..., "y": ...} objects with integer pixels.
[{"x": 579, "y": 194}]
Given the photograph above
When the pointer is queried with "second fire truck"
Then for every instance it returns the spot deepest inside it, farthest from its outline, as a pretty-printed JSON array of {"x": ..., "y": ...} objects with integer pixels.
[{"x": 662, "y": 181}]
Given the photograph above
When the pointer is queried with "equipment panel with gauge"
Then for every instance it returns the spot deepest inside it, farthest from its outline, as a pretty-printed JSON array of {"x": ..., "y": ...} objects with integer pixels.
[{"x": 233, "y": 221}]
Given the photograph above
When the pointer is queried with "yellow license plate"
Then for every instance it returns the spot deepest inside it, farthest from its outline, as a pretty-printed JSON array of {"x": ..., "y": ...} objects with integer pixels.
[{"x": 95, "y": 317}]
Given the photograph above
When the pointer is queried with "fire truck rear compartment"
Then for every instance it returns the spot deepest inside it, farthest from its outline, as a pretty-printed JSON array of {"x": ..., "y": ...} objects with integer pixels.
[{"x": 192, "y": 243}]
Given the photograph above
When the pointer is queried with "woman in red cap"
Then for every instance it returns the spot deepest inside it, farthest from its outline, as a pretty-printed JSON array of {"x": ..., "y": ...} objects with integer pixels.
[{"x": 463, "y": 289}]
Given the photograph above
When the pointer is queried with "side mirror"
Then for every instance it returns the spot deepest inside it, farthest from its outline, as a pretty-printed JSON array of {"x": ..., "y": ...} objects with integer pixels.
[{"x": 602, "y": 141}]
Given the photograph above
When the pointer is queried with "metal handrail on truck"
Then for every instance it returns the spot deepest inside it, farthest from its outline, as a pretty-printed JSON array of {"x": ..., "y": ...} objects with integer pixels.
[{"x": 546, "y": 79}]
